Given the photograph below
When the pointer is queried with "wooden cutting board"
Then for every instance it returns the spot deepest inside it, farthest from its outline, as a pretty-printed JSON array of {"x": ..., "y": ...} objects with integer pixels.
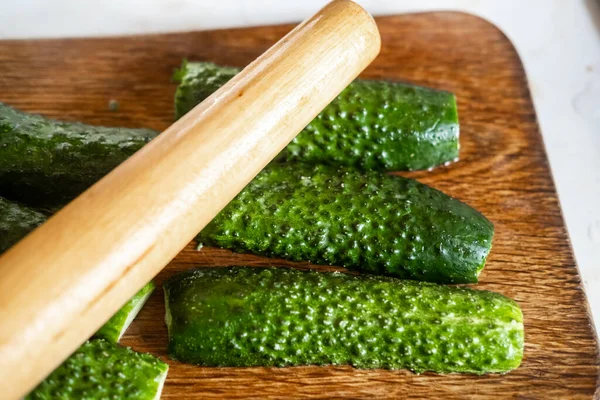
[{"x": 503, "y": 172}]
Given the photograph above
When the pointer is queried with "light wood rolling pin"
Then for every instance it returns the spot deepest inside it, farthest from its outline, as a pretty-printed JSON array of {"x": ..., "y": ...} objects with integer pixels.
[{"x": 64, "y": 280}]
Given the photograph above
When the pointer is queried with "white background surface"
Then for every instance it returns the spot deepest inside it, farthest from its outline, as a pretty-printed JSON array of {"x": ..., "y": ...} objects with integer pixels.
[{"x": 558, "y": 40}]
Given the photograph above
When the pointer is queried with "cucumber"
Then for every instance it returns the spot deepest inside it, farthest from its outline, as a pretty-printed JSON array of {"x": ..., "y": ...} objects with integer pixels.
[
  {"x": 44, "y": 162},
  {"x": 103, "y": 370},
  {"x": 242, "y": 317},
  {"x": 115, "y": 327},
  {"x": 16, "y": 221},
  {"x": 375, "y": 125},
  {"x": 367, "y": 221}
]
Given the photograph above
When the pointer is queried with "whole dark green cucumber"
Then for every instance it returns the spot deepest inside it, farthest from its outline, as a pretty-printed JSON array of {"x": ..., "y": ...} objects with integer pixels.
[
  {"x": 371, "y": 124},
  {"x": 103, "y": 370},
  {"x": 284, "y": 317},
  {"x": 16, "y": 221},
  {"x": 367, "y": 221},
  {"x": 44, "y": 162}
]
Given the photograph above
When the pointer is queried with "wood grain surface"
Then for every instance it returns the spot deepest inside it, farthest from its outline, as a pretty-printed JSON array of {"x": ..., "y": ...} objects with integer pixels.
[{"x": 503, "y": 172}]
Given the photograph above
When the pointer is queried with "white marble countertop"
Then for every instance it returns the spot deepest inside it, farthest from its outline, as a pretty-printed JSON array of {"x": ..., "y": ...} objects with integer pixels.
[{"x": 558, "y": 40}]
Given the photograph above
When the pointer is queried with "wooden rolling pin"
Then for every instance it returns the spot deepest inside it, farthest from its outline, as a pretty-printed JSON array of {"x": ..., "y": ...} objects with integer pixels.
[{"x": 64, "y": 280}]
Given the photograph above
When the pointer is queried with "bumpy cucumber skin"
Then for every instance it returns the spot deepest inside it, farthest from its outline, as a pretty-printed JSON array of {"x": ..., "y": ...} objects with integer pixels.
[
  {"x": 284, "y": 317},
  {"x": 103, "y": 370},
  {"x": 112, "y": 329},
  {"x": 48, "y": 162},
  {"x": 375, "y": 125},
  {"x": 366, "y": 221},
  {"x": 16, "y": 221}
]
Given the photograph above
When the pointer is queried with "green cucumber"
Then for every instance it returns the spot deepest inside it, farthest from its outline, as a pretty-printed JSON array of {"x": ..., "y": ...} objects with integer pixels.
[
  {"x": 115, "y": 327},
  {"x": 367, "y": 221},
  {"x": 375, "y": 125},
  {"x": 242, "y": 317},
  {"x": 44, "y": 162},
  {"x": 103, "y": 370},
  {"x": 16, "y": 221}
]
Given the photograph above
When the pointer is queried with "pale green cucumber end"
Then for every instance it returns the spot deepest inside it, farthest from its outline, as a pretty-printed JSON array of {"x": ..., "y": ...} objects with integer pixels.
[
  {"x": 161, "y": 383},
  {"x": 136, "y": 309}
]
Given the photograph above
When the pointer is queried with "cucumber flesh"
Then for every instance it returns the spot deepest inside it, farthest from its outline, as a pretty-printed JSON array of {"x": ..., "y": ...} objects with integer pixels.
[
  {"x": 115, "y": 327},
  {"x": 374, "y": 125},
  {"x": 104, "y": 370},
  {"x": 242, "y": 317},
  {"x": 367, "y": 221}
]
